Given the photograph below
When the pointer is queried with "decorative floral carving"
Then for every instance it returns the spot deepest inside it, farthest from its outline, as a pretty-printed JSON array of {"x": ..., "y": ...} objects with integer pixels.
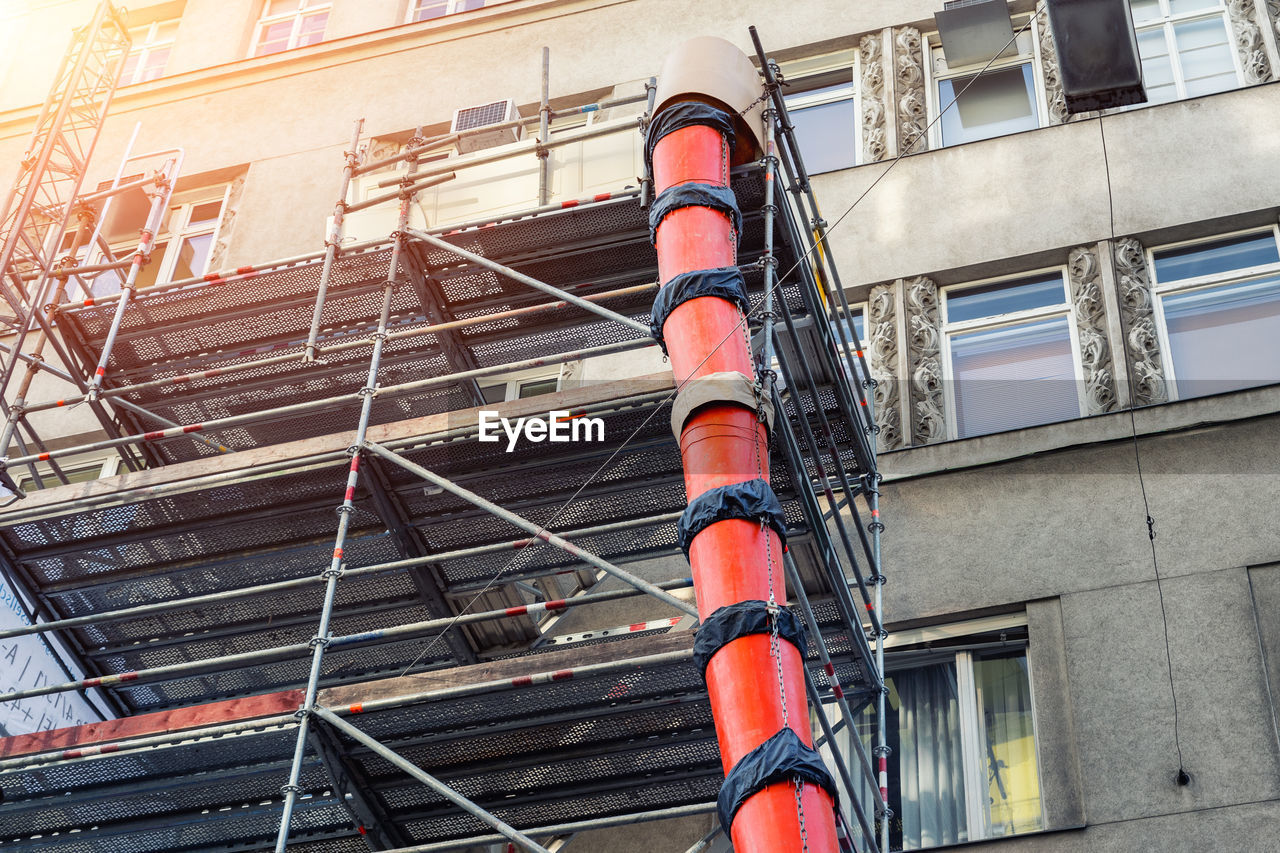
[
  {"x": 227, "y": 224},
  {"x": 1273, "y": 15},
  {"x": 1091, "y": 323},
  {"x": 1249, "y": 42},
  {"x": 909, "y": 76},
  {"x": 1141, "y": 341},
  {"x": 924, "y": 349},
  {"x": 883, "y": 349},
  {"x": 874, "y": 144},
  {"x": 1052, "y": 80}
]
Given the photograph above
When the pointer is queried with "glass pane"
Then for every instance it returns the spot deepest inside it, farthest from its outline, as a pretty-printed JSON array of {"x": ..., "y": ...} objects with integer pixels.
[
  {"x": 1224, "y": 338},
  {"x": 993, "y": 104},
  {"x": 274, "y": 38},
  {"x": 150, "y": 272},
  {"x": 193, "y": 257},
  {"x": 1145, "y": 10},
  {"x": 1007, "y": 297},
  {"x": 428, "y": 9},
  {"x": 129, "y": 69},
  {"x": 313, "y": 29},
  {"x": 826, "y": 136},
  {"x": 1217, "y": 257},
  {"x": 1014, "y": 377},
  {"x": 1205, "y": 56},
  {"x": 156, "y": 61},
  {"x": 538, "y": 387},
  {"x": 494, "y": 393},
  {"x": 1181, "y": 7},
  {"x": 1157, "y": 68},
  {"x": 1009, "y": 745},
  {"x": 204, "y": 214},
  {"x": 468, "y": 5}
]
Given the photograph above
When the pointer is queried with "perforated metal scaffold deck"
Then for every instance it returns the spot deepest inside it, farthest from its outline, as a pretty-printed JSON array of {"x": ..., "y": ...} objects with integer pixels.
[{"x": 199, "y": 523}]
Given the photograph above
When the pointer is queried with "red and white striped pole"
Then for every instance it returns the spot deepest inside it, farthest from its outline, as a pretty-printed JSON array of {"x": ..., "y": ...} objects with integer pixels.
[{"x": 756, "y": 682}]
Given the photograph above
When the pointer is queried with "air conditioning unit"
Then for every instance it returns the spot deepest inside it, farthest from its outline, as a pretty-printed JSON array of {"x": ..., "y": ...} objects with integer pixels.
[{"x": 485, "y": 115}]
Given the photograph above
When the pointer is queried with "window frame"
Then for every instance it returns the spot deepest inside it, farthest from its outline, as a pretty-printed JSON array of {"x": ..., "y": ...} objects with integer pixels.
[
  {"x": 915, "y": 647},
  {"x": 514, "y": 381},
  {"x": 1167, "y": 22},
  {"x": 304, "y": 9},
  {"x": 931, "y": 42},
  {"x": 108, "y": 466},
  {"x": 180, "y": 207},
  {"x": 1204, "y": 282},
  {"x": 451, "y": 8},
  {"x": 822, "y": 72},
  {"x": 144, "y": 48},
  {"x": 948, "y": 329}
]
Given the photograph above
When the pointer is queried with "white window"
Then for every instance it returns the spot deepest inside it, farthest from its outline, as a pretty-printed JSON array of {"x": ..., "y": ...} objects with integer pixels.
[
  {"x": 182, "y": 247},
  {"x": 287, "y": 24},
  {"x": 108, "y": 467},
  {"x": 1186, "y": 48},
  {"x": 960, "y": 723},
  {"x": 150, "y": 52},
  {"x": 1003, "y": 99},
  {"x": 1218, "y": 304},
  {"x": 426, "y": 10},
  {"x": 823, "y": 105},
  {"x": 518, "y": 386},
  {"x": 1011, "y": 354}
]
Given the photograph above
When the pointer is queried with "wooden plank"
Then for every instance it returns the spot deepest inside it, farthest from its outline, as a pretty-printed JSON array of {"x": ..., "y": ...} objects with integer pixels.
[
  {"x": 142, "y": 725},
  {"x": 143, "y": 485},
  {"x": 500, "y": 670}
]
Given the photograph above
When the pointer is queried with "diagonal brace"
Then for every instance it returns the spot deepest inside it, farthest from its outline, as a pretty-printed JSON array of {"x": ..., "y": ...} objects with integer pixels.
[
  {"x": 513, "y": 835},
  {"x": 538, "y": 532},
  {"x": 528, "y": 281}
]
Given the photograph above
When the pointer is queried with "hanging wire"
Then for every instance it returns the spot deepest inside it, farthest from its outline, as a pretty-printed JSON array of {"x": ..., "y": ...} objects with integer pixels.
[{"x": 1182, "y": 777}]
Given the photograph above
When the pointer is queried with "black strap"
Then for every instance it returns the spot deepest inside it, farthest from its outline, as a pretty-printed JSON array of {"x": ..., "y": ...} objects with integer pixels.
[
  {"x": 781, "y": 758},
  {"x": 753, "y": 500},
  {"x": 725, "y": 282},
  {"x": 739, "y": 620},
  {"x": 685, "y": 114},
  {"x": 693, "y": 195}
]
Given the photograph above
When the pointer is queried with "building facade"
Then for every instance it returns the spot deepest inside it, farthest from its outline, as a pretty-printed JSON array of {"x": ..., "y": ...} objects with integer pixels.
[{"x": 1072, "y": 321}]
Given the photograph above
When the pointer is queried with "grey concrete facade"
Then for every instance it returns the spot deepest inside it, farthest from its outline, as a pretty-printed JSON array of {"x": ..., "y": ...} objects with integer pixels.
[{"x": 1047, "y": 521}]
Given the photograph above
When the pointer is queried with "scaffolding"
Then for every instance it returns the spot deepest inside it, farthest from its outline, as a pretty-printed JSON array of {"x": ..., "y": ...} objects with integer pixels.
[{"x": 400, "y": 677}]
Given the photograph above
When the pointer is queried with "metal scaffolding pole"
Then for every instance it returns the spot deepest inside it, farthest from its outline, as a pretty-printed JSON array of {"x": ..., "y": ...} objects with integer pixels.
[
  {"x": 333, "y": 239},
  {"x": 513, "y": 835},
  {"x": 292, "y": 788},
  {"x": 537, "y": 531}
]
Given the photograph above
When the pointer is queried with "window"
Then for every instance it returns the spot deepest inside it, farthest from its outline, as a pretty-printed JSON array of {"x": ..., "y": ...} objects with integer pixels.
[
  {"x": 1011, "y": 354},
  {"x": 519, "y": 386},
  {"x": 1219, "y": 307},
  {"x": 842, "y": 332},
  {"x": 426, "y": 10},
  {"x": 1002, "y": 99},
  {"x": 960, "y": 723},
  {"x": 182, "y": 248},
  {"x": 150, "y": 53},
  {"x": 108, "y": 467},
  {"x": 822, "y": 103},
  {"x": 286, "y": 24},
  {"x": 1185, "y": 47}
]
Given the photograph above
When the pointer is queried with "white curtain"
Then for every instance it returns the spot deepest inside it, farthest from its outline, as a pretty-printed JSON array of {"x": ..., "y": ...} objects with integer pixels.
[{"x": 929, "y": 758}]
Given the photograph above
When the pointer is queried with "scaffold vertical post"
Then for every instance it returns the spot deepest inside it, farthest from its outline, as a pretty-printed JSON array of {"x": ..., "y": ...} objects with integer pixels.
[{"x": 333, "y": 238}]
